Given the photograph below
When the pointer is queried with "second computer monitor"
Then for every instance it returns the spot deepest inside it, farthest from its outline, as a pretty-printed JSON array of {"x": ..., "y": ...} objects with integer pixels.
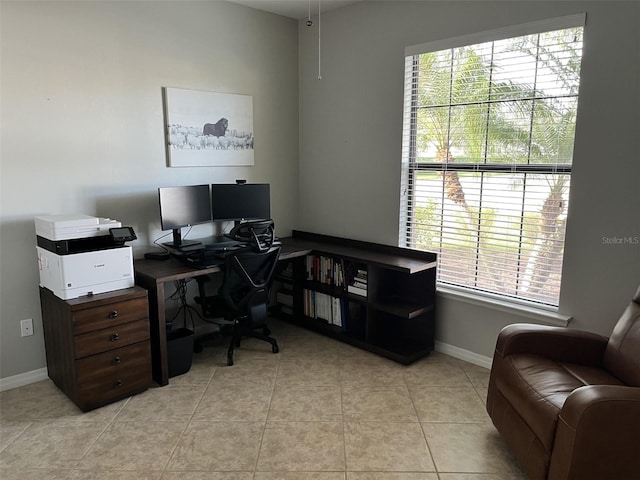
[{"x": 243, "y": 201}]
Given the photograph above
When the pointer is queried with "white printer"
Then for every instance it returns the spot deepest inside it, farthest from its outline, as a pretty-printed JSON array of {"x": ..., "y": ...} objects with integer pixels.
[{"x": 81, "y": 255}]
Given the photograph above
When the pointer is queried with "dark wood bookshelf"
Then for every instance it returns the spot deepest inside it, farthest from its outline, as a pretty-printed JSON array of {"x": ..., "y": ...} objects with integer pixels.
[{"x": 396, "y": 318}]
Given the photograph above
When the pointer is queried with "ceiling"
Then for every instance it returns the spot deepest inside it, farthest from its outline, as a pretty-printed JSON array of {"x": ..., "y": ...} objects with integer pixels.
[{"x": 297, "y": 9}]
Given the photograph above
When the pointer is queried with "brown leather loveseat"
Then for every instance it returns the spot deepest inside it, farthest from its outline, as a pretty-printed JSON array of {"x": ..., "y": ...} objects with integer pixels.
[{"x": 567, "y": 402}]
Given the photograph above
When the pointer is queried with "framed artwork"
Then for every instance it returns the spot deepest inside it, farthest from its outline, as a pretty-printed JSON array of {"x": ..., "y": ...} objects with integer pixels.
[{"x": 206, "y": 129}]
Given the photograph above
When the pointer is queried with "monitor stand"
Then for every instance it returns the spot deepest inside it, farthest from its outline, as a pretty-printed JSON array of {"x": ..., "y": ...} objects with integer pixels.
[{"x": 183, "y": 245}]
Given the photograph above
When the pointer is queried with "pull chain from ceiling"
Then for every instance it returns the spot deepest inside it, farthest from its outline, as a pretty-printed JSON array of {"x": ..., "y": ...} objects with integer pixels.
[
  {"x": 319, "y": 43},
  {"x": 309, "y": 23}
]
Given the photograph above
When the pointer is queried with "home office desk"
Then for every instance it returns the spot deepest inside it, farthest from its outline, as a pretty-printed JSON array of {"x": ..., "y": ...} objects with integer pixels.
[
  {"x": 397, "y": 318},
  {"x": 154, "y": 274}
]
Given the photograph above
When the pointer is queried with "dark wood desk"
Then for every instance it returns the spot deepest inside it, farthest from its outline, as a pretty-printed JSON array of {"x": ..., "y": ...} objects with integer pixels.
[
  {"x": 154, "y": 274},
  {"x": 399, "y": 307}
]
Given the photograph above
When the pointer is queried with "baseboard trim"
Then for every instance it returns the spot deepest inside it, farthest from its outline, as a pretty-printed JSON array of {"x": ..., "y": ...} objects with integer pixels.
[
  {"x": 462, "y": 354},
  {"x": 33, "y": 376},
  {"x": 22, "y": 379}
]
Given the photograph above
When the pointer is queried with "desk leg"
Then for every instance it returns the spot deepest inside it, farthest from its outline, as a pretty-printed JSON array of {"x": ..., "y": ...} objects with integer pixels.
[
  {"x": 158, "y": 330},
  {"x": 162, "y": 375}
]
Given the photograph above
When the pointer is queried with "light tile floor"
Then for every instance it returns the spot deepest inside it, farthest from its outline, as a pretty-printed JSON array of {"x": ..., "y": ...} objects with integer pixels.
[{"x": 318, "y": 410}]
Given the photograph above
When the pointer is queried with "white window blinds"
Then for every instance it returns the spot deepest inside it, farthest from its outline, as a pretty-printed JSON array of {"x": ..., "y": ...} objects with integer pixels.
[{"x": 487, "y": 152}]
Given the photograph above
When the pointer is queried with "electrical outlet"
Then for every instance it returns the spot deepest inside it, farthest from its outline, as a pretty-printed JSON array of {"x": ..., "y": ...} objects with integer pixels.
[{"x": 26, "y": 327}]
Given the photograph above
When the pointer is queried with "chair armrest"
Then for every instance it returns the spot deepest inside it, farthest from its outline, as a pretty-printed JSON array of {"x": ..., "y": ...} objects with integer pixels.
[
  {"x": 601, "y": 403},
  {"x": 555, "y": 343},
  {"x": 597, "y": 435}
]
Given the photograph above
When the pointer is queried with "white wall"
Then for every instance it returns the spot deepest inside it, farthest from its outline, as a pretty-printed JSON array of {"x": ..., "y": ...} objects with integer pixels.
[
  {"x": 82, "y": 123},
  {"x": 350, "y": 143}
]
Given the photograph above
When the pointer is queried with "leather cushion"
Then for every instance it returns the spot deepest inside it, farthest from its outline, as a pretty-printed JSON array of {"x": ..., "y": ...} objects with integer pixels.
[{"x": 537, "y": 388}]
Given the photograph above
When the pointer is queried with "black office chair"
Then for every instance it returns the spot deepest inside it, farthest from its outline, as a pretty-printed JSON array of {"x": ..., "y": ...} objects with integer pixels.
[{"x": 243, "y": 296}]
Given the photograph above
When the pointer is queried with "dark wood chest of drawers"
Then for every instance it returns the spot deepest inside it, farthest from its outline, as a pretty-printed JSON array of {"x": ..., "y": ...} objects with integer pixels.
[{"x": 97, "y": 346}]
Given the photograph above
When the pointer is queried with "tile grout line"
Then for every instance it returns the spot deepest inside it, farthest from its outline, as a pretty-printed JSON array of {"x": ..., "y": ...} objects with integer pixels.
[
  {"x": 29, "y": 423},
  {"x": 344, "y": 423},
  {"x": 266, "y": 419},
  {"x": 187, "y": 423},
  {"x": 424, "y": 435},
  {"x": 106, "y": 427}
]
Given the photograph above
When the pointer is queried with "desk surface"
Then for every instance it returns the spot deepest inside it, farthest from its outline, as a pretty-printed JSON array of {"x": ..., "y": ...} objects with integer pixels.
[{"x": 161, "y": 271}]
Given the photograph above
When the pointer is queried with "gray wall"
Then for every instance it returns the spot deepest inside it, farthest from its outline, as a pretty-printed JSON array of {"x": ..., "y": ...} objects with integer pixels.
[
  {"x": 350, "y": 144},
  {"x": 82, "y": 123},
  {"x": 82, "y": 132}
]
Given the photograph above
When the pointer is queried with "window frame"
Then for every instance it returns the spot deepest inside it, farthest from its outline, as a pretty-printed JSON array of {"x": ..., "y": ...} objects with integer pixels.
[{"x": 411, "y": 167}]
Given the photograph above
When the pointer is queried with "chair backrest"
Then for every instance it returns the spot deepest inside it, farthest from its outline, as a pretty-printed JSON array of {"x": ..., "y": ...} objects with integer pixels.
[
  {"x": 248, "y": 271},
  {"x": 259, "y": 234},
  {"x": 622, "y": 355}
]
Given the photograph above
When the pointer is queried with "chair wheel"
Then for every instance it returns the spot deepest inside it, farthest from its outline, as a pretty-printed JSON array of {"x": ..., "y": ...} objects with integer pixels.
[
  {"x": 275, "y": 349},
  {"x": 229, "y": 361}
]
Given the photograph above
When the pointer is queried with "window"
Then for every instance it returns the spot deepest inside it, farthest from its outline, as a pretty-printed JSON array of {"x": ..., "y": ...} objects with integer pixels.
[{"x": 488, "y": 134}]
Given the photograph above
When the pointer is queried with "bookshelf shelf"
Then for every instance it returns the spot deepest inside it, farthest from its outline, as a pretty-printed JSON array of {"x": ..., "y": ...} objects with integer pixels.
[
  {"x": 394, "y": 316},
  {"x": 402, "y": 309}
]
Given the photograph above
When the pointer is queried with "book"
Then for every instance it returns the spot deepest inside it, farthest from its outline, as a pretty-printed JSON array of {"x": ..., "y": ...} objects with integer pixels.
[
  {"x": 357, "y": 290},
  {"x": 336, "y": 311},
  {"x": 325, "y": 270}
]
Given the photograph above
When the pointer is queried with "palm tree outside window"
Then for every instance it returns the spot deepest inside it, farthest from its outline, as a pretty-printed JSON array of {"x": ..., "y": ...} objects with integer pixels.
[{"x": 487, "y": 157}]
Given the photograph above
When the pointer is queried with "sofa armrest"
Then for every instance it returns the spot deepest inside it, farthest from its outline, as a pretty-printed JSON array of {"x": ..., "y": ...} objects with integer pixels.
[
  {"x": 555, "y": 343},
  {"x": 597, "y": 435}
]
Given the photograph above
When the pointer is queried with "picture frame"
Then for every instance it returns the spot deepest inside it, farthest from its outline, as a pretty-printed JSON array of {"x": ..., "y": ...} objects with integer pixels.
[{"x": 204, "y": 129}]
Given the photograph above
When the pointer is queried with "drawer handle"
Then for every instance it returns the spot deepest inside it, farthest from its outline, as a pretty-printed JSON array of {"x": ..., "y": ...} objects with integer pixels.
[
  {"x": 116, "y": 361},
  {"x": 115, "y": 337},
  {"x": 118, "y": 384},
  {"x": 113, "y": 314}
]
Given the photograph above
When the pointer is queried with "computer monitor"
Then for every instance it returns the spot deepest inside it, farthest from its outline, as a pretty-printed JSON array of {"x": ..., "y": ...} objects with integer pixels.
[
  {"x": 182, "y": 207},
  {"x": 240, "y": 201}
]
